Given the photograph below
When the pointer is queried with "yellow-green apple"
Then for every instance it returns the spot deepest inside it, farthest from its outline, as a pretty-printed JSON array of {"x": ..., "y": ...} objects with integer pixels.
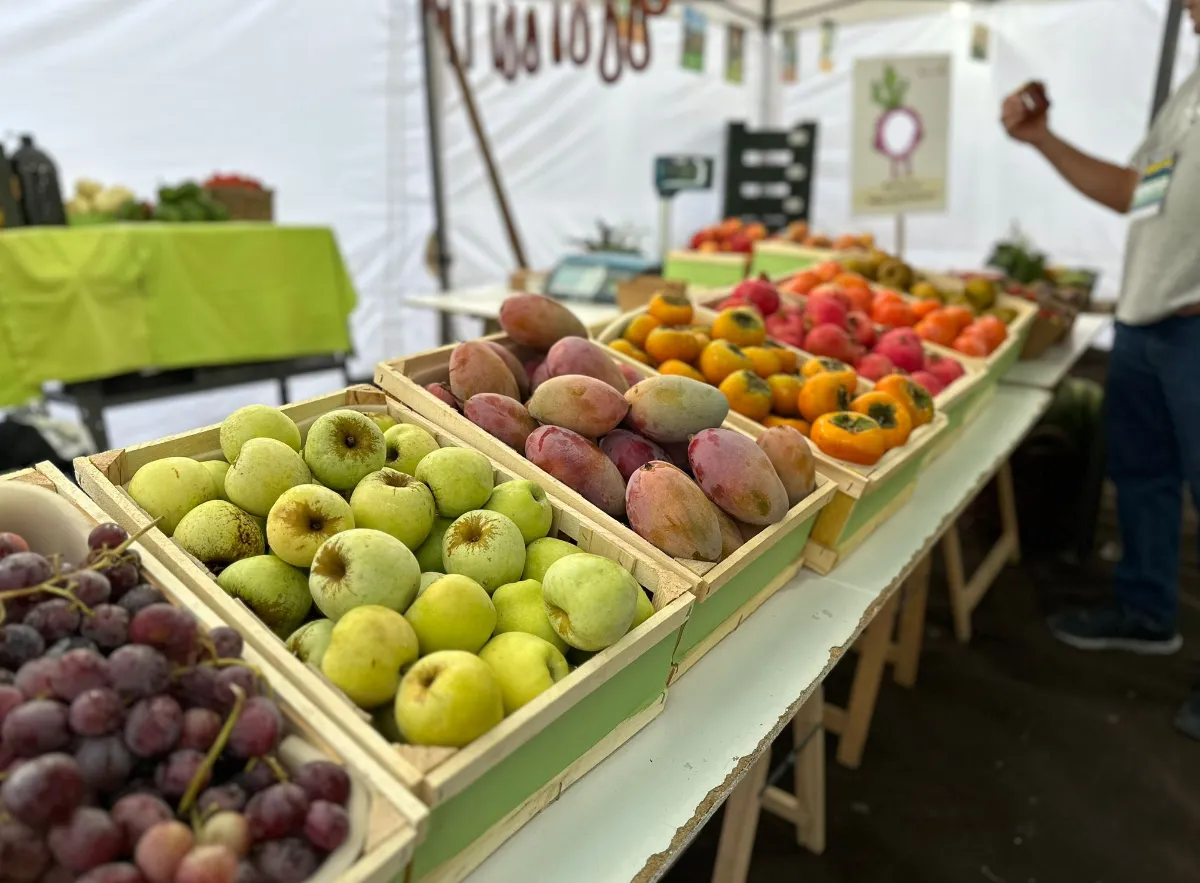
[
  {"x": 394, "y": 503},
  {"x": 453, "y": 613},
  {"x": 367, "y": 649},
  {"x": 427, "y": 579},
  {"x": 256, "y": 421},
  {"x": 383, "y": 421},
  {"x": 645, "y": 609},
  {"x": 219, "y": 533},
  {"x": 429, "y": 553},
  {"x": 448, "y": 698},
  {"x": 519, "y": 608},
  {"x": 486, "y": 546},
  {"x": 217, "y": 470},
  {"x": 461, "y": 480},
  {"x": 360, "y": 567},
  {"x": 591, "y": 601},
  {"x": 540, "y": 554},
  {"x": 524, "y": 665},
  {"x": 342, "y": 447},
  {"x": 407, "y": 445},
  {"x": 309, "y": 642},
  {"x": 302, "y": 519},
  {"x": 265, "y": 468},
  {"x": 170, "y": 488},
  {"x": 526, "y": 504},
  {"x": 273, "y": 589}
]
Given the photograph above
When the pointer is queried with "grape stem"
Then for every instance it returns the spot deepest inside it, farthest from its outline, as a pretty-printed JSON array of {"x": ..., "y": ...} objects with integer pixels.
[
  {"x": 242, "y": 663},
  {"x": 205, "y": 770},
  {"x": 276, "y": 768}
]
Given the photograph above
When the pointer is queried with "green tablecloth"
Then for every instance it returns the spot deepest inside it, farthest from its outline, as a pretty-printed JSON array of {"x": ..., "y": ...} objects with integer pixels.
[{"x": 83, "y": 303}]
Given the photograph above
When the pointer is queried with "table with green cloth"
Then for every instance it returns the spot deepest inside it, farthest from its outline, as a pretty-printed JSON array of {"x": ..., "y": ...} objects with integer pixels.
[{"x": 84, "y": 303}]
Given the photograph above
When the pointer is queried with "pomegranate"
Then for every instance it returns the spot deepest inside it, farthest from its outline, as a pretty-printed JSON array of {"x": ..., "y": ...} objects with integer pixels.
[
  {"x": 945, "y": 369},
  {"x": 825, "y": 311},
  {"x": 903, "y": 347},
  {"x": 875, "y": 366},
  {"x": 830, "y": 340},
  {"x": 862, "y": 329},
  {"x": 932, "y": 385},
  {"x": 758, "y": 293}
]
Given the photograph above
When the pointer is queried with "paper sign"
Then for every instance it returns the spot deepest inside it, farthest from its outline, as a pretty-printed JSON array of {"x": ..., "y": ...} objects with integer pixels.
[
  {"x": 790, "y": 67},
  {"x": 901, "y": 129},
  {"x": 694, "y": 26},
  {"x": 735, "y": 52},
  {"x": 981, "y": 39}
]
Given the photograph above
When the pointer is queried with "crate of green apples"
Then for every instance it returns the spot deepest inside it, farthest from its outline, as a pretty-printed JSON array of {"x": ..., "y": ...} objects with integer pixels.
[
  {"x": 143, "y": 741},
  {"x": 481, "y": 642}
]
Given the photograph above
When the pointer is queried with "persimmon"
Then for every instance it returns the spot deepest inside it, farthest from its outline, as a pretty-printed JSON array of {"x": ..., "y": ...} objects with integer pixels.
[
  {"x": 663, "y": 344},
  {"x": 702, "y": 334},
  {"x": 785, "y": 393},
  {"x": 624, "y": 347},
  {"x": 893, "y": 418},
  {"x": 912, "y": 396},
  {"x": 821, "y": 364},
  {"x": 848, "y": 436},
  {"x": 670, "y": 309},
  {"x": 937, "y": 327},
  {"x": 923, "y": 308},
  {"x": 801, "y": 426},
  {"x": 846, "y": 279},
  {"x": 961, "y": 315},
  {"x": 971, "y": 344},
  {"x": 765, "y": 361},
  {"x": 802, "y": 283},
  {"x": 639, "y": 327},
  {"x": 748, "y": 394},
  {"x": 826, "y": 392},
  {"x": 787, "y": 357},
  {"x": 991, "y": 328},
  {"x": 893, "y": 313},
  {"x": 861, "y": 298},
  {"x": 826, "y": 271},
  {"x": 742, "y": 326},
  {"x": 681, "y": 369},
  {"x": 720, "y": 359}
]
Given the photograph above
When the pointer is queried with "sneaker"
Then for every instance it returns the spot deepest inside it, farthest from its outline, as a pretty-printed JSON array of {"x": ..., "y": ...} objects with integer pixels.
[
  {"x": 1110, "y": 628},
  {"x": 1187, "y": 719}
]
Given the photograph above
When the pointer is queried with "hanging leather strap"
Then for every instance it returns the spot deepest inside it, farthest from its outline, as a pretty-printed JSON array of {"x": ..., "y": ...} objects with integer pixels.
[
  {"x": 611, "y": 45},
  {"x": 580, "y": 42},
  {"x": 531, "y": 53},
  {"x": 639, "y": 22}
]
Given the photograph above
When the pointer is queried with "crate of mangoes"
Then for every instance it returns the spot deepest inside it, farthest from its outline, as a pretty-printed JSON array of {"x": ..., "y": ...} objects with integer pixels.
[{"x": 484, "y": 645}]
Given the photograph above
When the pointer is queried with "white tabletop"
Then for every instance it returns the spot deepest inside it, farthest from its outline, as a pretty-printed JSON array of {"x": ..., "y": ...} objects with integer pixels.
[
  {"x": 484, "y": 303},
  {"x": 639, "y": 809},
  {"x": 1052, "y": 366}
]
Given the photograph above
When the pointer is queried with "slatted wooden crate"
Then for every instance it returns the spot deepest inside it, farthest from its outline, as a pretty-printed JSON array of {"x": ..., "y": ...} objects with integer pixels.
[
  {"x": 481, "y": 794},
  {"x": 726, "y": 592},
  {"x": 709, "y": 269},
  {"x": 392, "y": 818}
]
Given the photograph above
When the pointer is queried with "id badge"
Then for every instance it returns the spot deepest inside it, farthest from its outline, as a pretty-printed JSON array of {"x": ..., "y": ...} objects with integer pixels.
[{"x": 1151, "y": 192}]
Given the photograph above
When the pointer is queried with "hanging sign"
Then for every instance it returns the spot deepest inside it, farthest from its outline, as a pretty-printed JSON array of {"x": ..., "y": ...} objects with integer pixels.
[
  {"x": 901, "y": 134},
  {"x": 828, "y": 31},
  {"x": 981, "y": 40},
  {"x": 694, "y": 26},
  {"x": 735, "y": 52},
  {"x": 789, "y": 70}
]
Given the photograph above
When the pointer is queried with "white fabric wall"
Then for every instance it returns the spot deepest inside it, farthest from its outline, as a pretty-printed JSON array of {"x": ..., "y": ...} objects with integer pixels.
[{"x": 1098, "y": 59}]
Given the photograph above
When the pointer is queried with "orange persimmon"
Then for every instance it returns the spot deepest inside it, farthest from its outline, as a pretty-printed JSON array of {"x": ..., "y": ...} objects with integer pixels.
[
  {"x": 748, "y": 394},
  {"x": 937, "y": 327},
  {"x": 991, "y": 328},
  {"x": 765, "y": 361},
  {"x": 639, "y": 327},
  {"x": 663, "y": 344},
  {"x": 848, "y": 436},
  {"x": 923, "y": 308},
  {"x": 846, "y": 279},
  {"x": 893, "y": 313},
  {"x": 801, "y": 426},
  {"x": 787, "y": 357},
  {"x": 624, "y": 347},
  {"x": 702, "y": 334},
  {"x": 670, "y": 309},
  {"x": 785, "y": 393},
  {"x": 892, "y": 417},
  {"x": 826, "y": 392},
  {"x": 861, "y": 298},
  {"x": 826, "y": 271},
  {"x": 802, "y": 283},
  {"x": 681, "y": 369},
  {"x": 821, "y": 365},
  {"x": 720, "y": 359},
  {"x": 971, "y": 344},
  {"x": 960, "y": 315},
  {"x": 912, "y": 396},
  {"x": 742, "y": 326}
]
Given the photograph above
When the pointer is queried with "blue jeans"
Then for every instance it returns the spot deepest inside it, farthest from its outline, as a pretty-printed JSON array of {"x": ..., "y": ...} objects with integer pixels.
[{"x": 1152, "y": 421}]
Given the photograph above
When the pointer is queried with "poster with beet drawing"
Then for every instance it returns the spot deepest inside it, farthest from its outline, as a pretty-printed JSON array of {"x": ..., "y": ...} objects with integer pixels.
[{"x": 900, "y": 134}]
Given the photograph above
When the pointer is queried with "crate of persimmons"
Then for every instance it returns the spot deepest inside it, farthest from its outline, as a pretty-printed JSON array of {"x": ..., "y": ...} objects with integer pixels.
[{"x": 872, "y": 437}]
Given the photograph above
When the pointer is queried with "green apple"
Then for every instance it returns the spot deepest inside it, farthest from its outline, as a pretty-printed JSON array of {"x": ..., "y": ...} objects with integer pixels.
[
  {"x": 525, "y": 666},
  {"x": 591, "y": 601},
  {"x": 394, "y": 503},
  {"x": 448, "y": 698},
  {"x": 526, "y": 504},
  {"x": 302, "y": 519},
  {"x": 342, "y": 447},
  {"x": 309, "y": 642},
  {"x": 519, "y": 608},
  {"x": 218, "y": 533},
  {"x": 367, "y": 649},
  {"x": 461, "y": 480},
  {"x": 217, "y": 470},
  {"x": 429, "y": 553},
  {"x": 580, "y": 657},
  {"x": 407, "y": 445},
  {"x": 486, "y": 546},
  {"x": 453, "y": 613},
  {"x": 360, "y": 567},
  {"x": 383, "y": 719},
  {"x": 265, "y": 468},
  {"x": 645, "y": 609},
  {"x": 383, "y": 421},
  {"x": 256, "y": 421},
  {"x": 542, "y": 553},
  {"x": 170, "y": 488},
  {"x": 427, "y": 579},
  {"x": 273, "y": 589}
]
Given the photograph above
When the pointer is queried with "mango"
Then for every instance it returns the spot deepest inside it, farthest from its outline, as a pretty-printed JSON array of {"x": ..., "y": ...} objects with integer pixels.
[
  {"x": 539, "y": 375},
  {"x": 580, "y": 465},
  {"x": 670, "y": 408},
  {"x": 579, "y": 403},
  {"x": 442, "y": 392},
  {"x": 574, "y": 355},
  {"x": 474, "y": 369},
  {"x": 538, "y": 322},
  {"x": 514, "y": 365},
  {"x": 669, "y": 510},
  {"x": 793, "y": 460},
  {"x": 630, "y": 452},
  {"x": 731, "y": 534},
  {"x": 631, "y": 374},
  {"x": 737, "y": 475},
  {"x": 502, "y": 417}
]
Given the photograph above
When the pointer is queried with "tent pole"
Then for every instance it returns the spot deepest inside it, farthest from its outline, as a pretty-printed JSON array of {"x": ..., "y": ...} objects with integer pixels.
[
  {"x": 1166, "y": 58},
  {"x": 768, "y": 66},
  {"x": 433, "y": 124}
]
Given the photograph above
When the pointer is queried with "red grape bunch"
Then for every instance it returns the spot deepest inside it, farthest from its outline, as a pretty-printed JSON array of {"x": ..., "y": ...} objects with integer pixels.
[{"x": 134, "y": 746}]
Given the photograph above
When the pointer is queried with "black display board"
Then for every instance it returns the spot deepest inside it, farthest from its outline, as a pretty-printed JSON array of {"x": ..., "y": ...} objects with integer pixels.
[{"x": 769, "y": 173}]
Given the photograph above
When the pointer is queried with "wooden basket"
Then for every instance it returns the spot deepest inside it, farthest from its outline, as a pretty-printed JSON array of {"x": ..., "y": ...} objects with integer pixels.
[
  {"x": 726, "y": 592},
  {"x": 479, "y": 795},
  {"x": 246, "y": 203},
  {"x": 707, "y": 269},
  {"x": 778, "y": 258},
  {"x": 397, "y": 820}
]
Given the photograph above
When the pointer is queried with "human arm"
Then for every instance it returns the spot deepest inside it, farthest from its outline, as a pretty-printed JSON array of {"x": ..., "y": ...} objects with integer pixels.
[{"x": 1108, "y": 184}]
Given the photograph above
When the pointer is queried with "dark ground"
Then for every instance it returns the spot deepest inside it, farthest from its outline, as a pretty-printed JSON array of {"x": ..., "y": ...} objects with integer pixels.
[{"x": 1015, "y": 759}]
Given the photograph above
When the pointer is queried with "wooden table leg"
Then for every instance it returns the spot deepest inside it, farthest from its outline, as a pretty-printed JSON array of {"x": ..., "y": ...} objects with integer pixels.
[
  {"x": 1008, "y": 510},
  {"x": 911, "y": 631},
  {"x": 956, "y": 582},
  {"x": 740, "y": 824},
  {"x": 809, "y": 774},
  {"x": 854, "y": 723}
]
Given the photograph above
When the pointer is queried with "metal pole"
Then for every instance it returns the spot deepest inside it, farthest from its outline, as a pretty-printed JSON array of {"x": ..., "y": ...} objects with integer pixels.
[
  {"x": 433, "y": 123},
  {"x": 1166, "y": 58},
  {"x": 768, "y": 65}
]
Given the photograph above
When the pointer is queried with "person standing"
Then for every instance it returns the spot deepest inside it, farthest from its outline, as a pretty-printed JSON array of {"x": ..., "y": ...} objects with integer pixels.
[{"x": 1152, "y": 398}]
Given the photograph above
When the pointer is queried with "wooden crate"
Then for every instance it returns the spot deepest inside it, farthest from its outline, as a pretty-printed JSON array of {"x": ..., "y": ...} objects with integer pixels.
[
  {"x": 776, "y": 257},
  {"x": 722, "y": 590},
  {"x": 397, "y": 819},
  {"x": 709, "y": 269},
  {"x": 479, "y": 795}
]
